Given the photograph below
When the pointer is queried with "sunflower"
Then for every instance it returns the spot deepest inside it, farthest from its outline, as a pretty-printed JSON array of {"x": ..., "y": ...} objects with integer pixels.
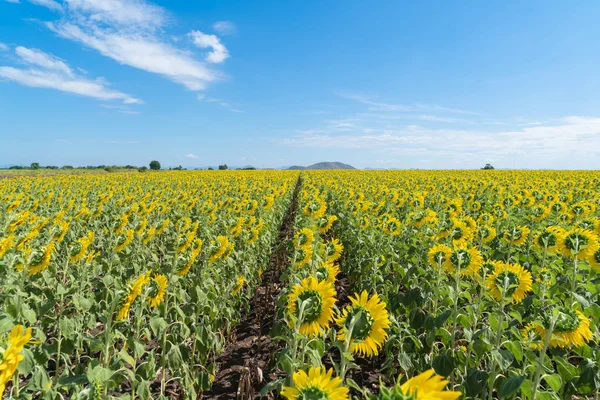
[
  {"x": 303, "y": 256},
  {"x": 317, "y": 298},
  {"x": 317, "y": 384},
  {"x": 364, "y": 222},
  {"x": 518, "y": 235},
  {"x": 594, "y": 260},
  {"x": 325, "y": 224},
  {"x": 132, "y": 295},
  {"x": 513, "y": 278},
  {"x": 11, "y": 357},
  {"x": 580, "y": 242},
  {"x": 460, "y": 233},
  {"x": 158, "y": 289},
  {"x": 487, "y": 268},
  {"x": 540, "y": 212},
  {"x": 486, "y": 233},
  {"x": 304, "y": 238},
  {"x": 548, "y": 238},
  {"x": 571, "y": 329},
  {"x": 239, "y": 285},
  {"x": 41, "y": 261},
  {"x": 438, "y": 254},
  {"x": 334, "y": 250},
  {"x": 392, "y": 226},
  {"x": 123, "y": 241},
  {"x": 469, "y": 261},
  {"x": 427, "y": 386},
  {"x": 221, "y": 248},
  {"x": 328, "y": 271},
  {"x": 366, "y": 320},
  {"x": 485, "y": 219}
]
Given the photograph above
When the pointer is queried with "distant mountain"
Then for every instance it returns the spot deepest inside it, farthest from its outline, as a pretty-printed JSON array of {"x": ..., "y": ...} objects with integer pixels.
[{"x": 323, "y": 165}]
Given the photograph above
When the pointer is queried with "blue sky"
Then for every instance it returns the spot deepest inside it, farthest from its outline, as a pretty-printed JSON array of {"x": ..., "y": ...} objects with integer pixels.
[{"x": 384, "y": 84}]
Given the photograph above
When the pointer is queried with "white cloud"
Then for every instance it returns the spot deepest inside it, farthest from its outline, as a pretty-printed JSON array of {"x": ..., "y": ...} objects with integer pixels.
[
  {"x": 3, "y": 47},
  {"x": 192, "y": 156},
  {"x": 12, "y": 1},
  {"x": 138, "y": 13},
  {"x": 132, "y": 32},
  {"x": 143, "y": 52},
  {"x": 218, "y": 54},
  {"x": 223, "y": 104},
  {"x": 44, "y": 60},
  {"x": 375, "y": 105},
  {"x": 573, "y": 136},
  {"x": 47, "y": 71},
  {"x": 51, "y": 4},
  {"x": 225, "y": 27},
  {"x": 201, "y": 97}
]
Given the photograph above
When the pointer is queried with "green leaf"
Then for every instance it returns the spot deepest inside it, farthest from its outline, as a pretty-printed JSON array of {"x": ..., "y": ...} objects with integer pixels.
[
  {"x": 444, "y": 364},
  {"x": 127, "y": 358},
  {"x": 272, "y": 386},
  {"x": 158, "y": 324},
  {"x": 554, "y": 381},
  {"x": 475, "y": 382},
  {"x": 510, "y": 386},
  {"x": 527, "y": 389},
  {"x": 516, "y": 349},
  {"x": 29, "y": 315},
  {"x": 6, "y": 323},
  {"x": 143, "y": 390},
  {"x": 72, "y": 380},
  {"x": 26, "y": 365},
  {"x": 100, "y": 374}
]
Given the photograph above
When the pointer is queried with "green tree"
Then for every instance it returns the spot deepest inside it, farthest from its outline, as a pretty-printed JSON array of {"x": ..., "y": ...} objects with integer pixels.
[
  {"x": 223, "y": 167},
  {"x": 154, "y": 165},
  {"x": 488, "y": 166},
  {"x": 35, "y": 165}
]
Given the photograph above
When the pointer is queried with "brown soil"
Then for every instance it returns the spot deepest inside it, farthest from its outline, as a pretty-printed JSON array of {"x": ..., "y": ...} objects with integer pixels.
[{"x": 246, "y": 358}]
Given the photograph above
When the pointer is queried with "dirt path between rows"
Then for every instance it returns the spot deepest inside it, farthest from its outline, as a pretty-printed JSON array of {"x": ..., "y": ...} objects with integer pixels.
[{"x": 246, "y": 358}]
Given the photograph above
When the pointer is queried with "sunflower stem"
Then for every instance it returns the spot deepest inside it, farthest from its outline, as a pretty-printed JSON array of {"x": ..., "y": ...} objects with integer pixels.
[
  {"x": 343, "y": 360},
  {"x": 540, "y": 362},
  {"x": 503, "y": 291},
  {"x": 574, "y": 280}
]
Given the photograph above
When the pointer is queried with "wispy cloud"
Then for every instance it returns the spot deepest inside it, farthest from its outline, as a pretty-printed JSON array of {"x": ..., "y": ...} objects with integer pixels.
[
  {"x": 12, "y": 1},
  {"x": 225, "y": 27},
  {"x": 132, "y": 32},
  {"x": 191, "y": 156},
  {"x": 51, "y": 4},
  {"x": 219, "y": 52},
  {"x": 220, "y": 102},
  {"x": 376, "y": 105},
  {"x": 47, "y": 71},
  {"x": 4, "y": 47},
  {"x": 570, "y": 136}
]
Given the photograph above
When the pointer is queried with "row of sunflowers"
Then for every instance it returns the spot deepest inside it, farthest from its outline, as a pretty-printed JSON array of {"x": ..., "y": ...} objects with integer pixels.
[
  {"x": 490, "y": 278},
  {"x": 127, "y": 285},
  {"x": 325, "y": 334}
]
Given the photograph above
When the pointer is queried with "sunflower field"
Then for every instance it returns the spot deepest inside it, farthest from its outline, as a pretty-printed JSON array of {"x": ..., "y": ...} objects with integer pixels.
[
  {"x": 419, "y": 285},
  {"x": 125, "y": 285}
]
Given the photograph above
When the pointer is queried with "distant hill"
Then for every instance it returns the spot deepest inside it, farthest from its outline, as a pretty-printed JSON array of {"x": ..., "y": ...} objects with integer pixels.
[{"x": 323, "y": 165}]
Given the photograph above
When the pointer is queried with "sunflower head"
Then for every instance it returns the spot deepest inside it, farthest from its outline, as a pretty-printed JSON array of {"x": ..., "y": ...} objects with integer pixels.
[
  {"x": 312, "y": 303},
  {"x": 467, "y": 260},
  {"x": 571, "y": 328},
  {"x": 317, "y": 384},
  {"x": 438, "y": 254},
  {"x": 578, "y": 242},
  {"x": 509, "y": 281},
  {"x": 364, "y": 323}
]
